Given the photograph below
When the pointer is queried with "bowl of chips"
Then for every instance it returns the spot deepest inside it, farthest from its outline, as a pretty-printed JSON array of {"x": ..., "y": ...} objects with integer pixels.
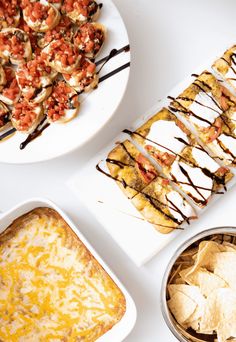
[{"x": 198, "y": 295}]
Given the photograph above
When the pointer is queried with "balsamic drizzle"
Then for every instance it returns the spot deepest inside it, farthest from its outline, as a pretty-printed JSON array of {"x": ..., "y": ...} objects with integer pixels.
[
  {"x": 38, "y": 131},
  {"x": 151, "y": 199},
  {"x": 112, "y": 73},
  {"x": 206, "y": 172},
  {"x": 7, "y": 134},
  {"x": 114, "y": 52}
]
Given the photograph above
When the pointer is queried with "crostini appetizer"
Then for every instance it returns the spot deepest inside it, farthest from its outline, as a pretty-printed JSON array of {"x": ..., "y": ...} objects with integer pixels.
[
  {"x": 90, "y": 38},
  {"x": 62, "y": 56},
  {"x": 35, "y": 80},
  {"x": 84, "y": 78},
  {"x": 33, "y": 36},
  {"x": 9, "y": 13},
  {"x": 40, "y": 16},
  {"x": 63, "y": 30},
  {"x": 63, "y": 104},
  {"x": 81, "y": 11},
  {"x": 15, "y": 45},
  {"x": 26, "y": 116},
  {"x": 4, "y": 116},
  {"x": 10, "y": 91}
]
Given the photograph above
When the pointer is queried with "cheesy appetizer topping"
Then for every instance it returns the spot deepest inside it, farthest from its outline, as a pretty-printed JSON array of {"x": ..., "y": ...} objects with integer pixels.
[{"x": 51, "y": 287}]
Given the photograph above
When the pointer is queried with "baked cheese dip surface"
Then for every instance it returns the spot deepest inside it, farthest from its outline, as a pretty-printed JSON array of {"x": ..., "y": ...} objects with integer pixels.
[{"x": 51, "y": 287}]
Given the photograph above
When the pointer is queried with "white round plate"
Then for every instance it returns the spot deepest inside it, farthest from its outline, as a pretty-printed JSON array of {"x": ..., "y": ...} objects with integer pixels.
[{"x": 96, "y": 109}]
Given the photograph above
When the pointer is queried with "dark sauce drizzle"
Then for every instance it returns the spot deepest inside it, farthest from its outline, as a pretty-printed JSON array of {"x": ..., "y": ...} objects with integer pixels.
[
  {"x": 189, "y": 112},
  {"x": 149, "y": 197},
  {"x": 152, "y": 200},
  {"x": 39, "y": 129},
  {"x": 206, "y": 172}
]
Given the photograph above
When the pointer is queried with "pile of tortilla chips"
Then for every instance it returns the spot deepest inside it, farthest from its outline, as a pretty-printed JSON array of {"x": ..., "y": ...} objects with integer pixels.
[{"x": 202, "y": 289}]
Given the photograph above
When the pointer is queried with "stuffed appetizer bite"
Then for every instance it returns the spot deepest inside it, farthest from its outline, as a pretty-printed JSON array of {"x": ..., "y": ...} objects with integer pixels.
[
  {"x": 26, "y": 116},
  {"x": 63, "y": 30},
  {"x": 81, "y": 11},
  {"x": 9, "y": 13},
  {"x": 62, "y": 56},
  {"x": 40, "y": 16},
  {"x": 84, "y": 78},
  {"x": 90, "y": 38},
  {"x": 10, "y": 91},
  {"x": 15, "y": 45},
  {"x": 35, "y": 80},
  {"x": 63, "y": 104}
]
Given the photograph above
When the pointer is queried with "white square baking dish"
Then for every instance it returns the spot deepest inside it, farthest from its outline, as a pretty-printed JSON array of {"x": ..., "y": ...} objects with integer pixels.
[{"x": 126, "y": 324}]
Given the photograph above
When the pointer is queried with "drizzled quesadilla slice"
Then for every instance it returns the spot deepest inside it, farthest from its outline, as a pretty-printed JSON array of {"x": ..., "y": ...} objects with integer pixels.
[
  {"x": 130, "y": 168},
  {"x": 225, "y": 66},
  {"x": 208, "y": 106},
  {"x": 183, "y": 160},
  {"x": 149, "y": 192}
]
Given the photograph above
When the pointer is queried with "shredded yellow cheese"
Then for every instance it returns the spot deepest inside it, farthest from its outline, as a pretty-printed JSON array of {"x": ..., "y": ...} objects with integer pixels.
[{"x": 51, "y": 288}]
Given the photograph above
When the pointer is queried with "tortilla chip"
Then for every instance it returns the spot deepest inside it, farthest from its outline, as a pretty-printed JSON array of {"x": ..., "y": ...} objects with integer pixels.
[
  {"x": 205, "y": 256},
  {"x": 207, "y": 281},
  {"x": 229, "y": 247},
  {"x": 220, "y": 314},
  {"x": 225, "y": 267},
  {"x": 194, "y": 294},
  {"x": 181, "y": 306}
]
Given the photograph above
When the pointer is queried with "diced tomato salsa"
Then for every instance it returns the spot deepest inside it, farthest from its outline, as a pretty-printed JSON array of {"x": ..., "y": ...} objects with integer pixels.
[
  {"x": 59, "y": 101},
  {"x": 63, "y": 29},
  {"x": 24, "y": 113},
  {"x": 84, "y": 73},
  {"x": 89, "y": 38},
  {"x": 83, "y": 7},
  {"x": 64, "y": 52},
  {"x": 36, "y": 11},
  {"x": 11, "y": 89},
  {"x": 14, "y": 43},
  {"x": 8, "y": 10},
  {"x": 29, "y": 75}
]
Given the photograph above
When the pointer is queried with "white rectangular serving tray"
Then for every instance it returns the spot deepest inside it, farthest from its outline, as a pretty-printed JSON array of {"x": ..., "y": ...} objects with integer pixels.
[
  {"x": 111, "y": 207},
  {"x": 126, "y": 324}
]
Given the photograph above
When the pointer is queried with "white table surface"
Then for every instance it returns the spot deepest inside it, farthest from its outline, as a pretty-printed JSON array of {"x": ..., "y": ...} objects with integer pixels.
[{"x": 169, "y": 39}]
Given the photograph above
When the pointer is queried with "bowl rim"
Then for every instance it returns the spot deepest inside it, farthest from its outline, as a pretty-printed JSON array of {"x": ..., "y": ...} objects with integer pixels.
[{"x": 187, "y": 243}]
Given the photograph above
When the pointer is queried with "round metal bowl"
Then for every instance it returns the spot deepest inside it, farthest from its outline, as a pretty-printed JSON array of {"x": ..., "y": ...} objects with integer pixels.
[{"x": 172, "y": 324}]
